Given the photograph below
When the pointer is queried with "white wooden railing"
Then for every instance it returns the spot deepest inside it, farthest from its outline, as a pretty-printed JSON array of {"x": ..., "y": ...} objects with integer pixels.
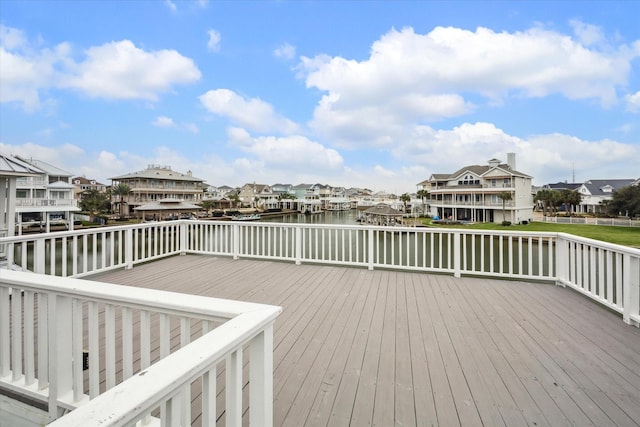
[
  {"x": 607, "y": 273},
  {"x": 169, "y": 347}
]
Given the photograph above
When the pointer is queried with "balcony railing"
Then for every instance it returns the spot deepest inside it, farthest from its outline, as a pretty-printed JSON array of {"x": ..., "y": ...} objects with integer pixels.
[
  {"x": 46, "y": 202},
  {"x": 46, "y": 322},
  {"x": 607, "y": 273}
]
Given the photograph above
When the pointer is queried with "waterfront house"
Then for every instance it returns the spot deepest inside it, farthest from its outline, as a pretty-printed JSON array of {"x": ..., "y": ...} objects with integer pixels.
[
  {"x": 11, "y": 168},
  {"x": 258, "y": 195},
  {"x": 157, "y": 183},
  {"x": 473, "y": 193},
  {"x": 595, "y": 192},
  {"x": 44, "y": 199},
  {"x": 83, "y": 184}
]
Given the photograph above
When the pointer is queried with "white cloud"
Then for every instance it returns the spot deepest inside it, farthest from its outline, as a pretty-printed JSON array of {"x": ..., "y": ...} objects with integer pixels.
[
  {"x": 633, "y": 102},
  {"x": 587, "y": 34},
  {"x": 285, "y": 51},
  {"x": 411, "y": 79},
  {"x": 214, "y": 41},
  {"x": 163, "y": 122},
  {"x": 120, "y": 70},
  {"x": 254, "y": 113},
  {"x": 171, "y": 5},
  {"x": 293, "y": 153},
  {"x": 116, "y": 70}
]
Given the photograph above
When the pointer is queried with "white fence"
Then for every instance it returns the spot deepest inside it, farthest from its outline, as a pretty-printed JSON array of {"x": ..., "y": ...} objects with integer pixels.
[
  {"x": 617, "y": 222},
  {"x": 607, "y": 273},
  {"x": 169, "y": 347}
]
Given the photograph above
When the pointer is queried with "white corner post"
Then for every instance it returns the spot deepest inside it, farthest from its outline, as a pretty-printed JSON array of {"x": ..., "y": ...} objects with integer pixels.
[
  {"x": 631, "y": 291},
  {"x": 298, "y": 240},
  {"x": 128, "y": 248},
  {"x": 457, "y": 255},
  {"x": 562, "y": 261},
  {"x": 261, "y": 379},
  {"x": 235, "y": 239},
  {"x": 371, "y": 248},
  {"x": 183, "y": 238}
]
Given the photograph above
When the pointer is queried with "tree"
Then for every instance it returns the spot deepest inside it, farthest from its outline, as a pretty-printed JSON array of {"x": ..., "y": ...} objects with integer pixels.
[
  {"x": 546, "y": 197},
  {"x": 235, "y": 199},
  {"x": 625, "y": 201},
  {"x": 423, "y": 194},
  {"x": 286, "y": 196},
  {"x": 505, "y": 196},
  {"x": 569, "y": 198},
  {"x": 94, "y": 202},
  {"x": 405, "y": 198},
  {"x": 121, "y": 190}
]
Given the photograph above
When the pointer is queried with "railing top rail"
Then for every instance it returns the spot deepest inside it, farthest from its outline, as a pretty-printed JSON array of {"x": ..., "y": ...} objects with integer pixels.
[
  {"x": 95, "y": 230},
  {"x": 152, "y": 299},
  {"x": 125, "y": 404},
  {"x": 600, "y": 244}
]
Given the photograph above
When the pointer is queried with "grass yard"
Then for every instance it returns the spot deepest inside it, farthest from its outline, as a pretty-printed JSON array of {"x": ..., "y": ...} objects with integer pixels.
[{"x": 629, "y": 236}]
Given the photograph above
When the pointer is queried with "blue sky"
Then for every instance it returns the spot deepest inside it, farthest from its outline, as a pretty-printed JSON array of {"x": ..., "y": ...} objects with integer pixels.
[{"x": 376, "y": 94}]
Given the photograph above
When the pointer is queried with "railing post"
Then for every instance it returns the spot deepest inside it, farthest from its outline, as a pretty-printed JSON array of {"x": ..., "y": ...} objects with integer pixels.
[
  {"x": 235, "y": 239},
  {"x": 631, "y": 290},
  {"x": 128, "y": 248},
  {"x": 371, "y": 248},
  {"x": 562, "y": 261},
  {"x": 60, "y": 351},
  {"x": 298, "y": 246},
  {"x": 457, "y": 255},
  {"x": 183, "y": 238},
  {"x": 261, "y": 379},
  {"x": 38, "y": 259}
]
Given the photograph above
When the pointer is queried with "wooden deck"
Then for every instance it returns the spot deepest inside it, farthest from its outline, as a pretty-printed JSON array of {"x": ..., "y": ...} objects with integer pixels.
[{"x": 358, "y": 347}]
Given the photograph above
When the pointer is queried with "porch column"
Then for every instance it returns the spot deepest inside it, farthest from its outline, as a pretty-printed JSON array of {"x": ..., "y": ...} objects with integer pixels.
[
  {"x": 70, "y": 215},
  {"x": 47, "y": 222}
]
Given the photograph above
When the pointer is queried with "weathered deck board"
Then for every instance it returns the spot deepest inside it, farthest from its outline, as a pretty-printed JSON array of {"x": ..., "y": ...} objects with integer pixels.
[{"x": 358, "y": 347}]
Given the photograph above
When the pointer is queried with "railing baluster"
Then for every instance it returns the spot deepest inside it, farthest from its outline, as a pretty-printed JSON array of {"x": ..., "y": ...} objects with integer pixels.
[
  {"x": 127, "y": 343},
  {"x": 93, "y": 323},
  {"x": 29, "y": 338},
  {"x": 76, "y": 349},
  {"x": 233, "y": 388},
  {"x": 16, "y": 333},
  {"x": 5, "y": 332},
  {"x": 110, "y": 345},
  {"x": 43, "y": 340}
]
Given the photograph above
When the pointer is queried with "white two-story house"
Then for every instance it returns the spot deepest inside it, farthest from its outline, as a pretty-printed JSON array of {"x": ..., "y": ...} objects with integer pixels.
[
  {"x": 45, "y": 198},
  {"x": 473, "y": 193}
]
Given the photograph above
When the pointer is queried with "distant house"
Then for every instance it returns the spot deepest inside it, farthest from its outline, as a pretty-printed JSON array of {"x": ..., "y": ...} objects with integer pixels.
[
  {"x": 256, "y": 195},
  {"x": 11, "y": 169},
  {"x": 472, "y": 193},
  {"x": 158, "y": 183},
  {"x": 45, "y": 198},
  {"x": 83, "y": 184},
  {"x": 595, "y": 192}
]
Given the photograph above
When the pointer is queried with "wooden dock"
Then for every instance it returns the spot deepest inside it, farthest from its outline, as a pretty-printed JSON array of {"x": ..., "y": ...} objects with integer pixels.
[{"x": 355, "y": 347}]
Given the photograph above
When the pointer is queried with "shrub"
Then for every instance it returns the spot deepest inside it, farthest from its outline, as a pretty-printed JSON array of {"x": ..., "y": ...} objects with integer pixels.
[{"x": 506, "y": 223}]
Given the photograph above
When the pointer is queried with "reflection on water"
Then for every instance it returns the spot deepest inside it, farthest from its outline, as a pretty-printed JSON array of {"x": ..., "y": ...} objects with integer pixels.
[{"x": 325, "y": 217}]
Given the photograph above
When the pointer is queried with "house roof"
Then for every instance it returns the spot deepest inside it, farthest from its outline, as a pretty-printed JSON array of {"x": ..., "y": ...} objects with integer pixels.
[
  {"x": 383, "y": 210},
  {"x": 563, "y": 186},
  {"x": 47, "y": 168},
  {"x": 597, "y": 187},
  {"x": 159, "y": 172},
  {"x": 61, "y": 185},
  {"x": 85, "y": 181},
  {"x": 13, "y": 166}
]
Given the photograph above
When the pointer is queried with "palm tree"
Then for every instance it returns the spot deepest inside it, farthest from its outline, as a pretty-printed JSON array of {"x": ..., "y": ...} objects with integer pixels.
[
  {"x": 504, "y": 196},
  {"x": 404, "y": 198},
  {"x": 121, "y": 190}
]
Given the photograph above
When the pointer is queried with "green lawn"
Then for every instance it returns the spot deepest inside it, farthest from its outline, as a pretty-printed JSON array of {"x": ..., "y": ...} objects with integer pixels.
[{"x": 629, "y": 236}]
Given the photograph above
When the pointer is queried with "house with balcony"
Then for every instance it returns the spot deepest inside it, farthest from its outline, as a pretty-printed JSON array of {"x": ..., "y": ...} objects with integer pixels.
[
  {"x": 473, "y": 193},
  {"x": 82, "y": 184},
  {"x": 258, "y": 195},
  {"x": 44, "y": 199},
  {"x": 11, "y": 169},
  {"x": 159, "y": 183},
  {"x": 596, "y": 192}
]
